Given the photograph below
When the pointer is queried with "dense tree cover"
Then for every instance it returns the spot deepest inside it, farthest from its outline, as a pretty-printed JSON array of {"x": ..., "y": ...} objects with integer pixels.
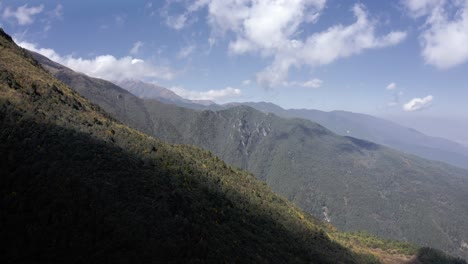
[
  {"x": 78, "y": 187},
  {"x": 377, "y": 130},
  {"x": 360, "y": 185}
]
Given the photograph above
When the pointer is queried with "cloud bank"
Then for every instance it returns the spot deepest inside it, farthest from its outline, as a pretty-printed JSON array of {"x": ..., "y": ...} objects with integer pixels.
[
  {"x": 106, "y": 66},
  {"x": 271, "y": 29}
]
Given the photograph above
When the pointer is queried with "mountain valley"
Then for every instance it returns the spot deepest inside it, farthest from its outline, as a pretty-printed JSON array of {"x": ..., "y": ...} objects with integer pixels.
[{"x": 354, "y": 184}]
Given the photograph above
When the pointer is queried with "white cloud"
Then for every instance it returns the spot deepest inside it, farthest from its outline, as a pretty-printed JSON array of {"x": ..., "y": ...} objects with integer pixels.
[
  {"x": 313, "y": 83},
  {"x": 391, "y": 86},
  {"x": 325, "y": 47},
  {"x": 444, "y": 43},
  {"x": 418, "y": 103},
  {"x": 246, "y": 82},
  {"x": 185, "y": 51},
  {"x": 445, "y": 33},
  {"x": 273, "y": 29},
  {"x": 136, "y": 47},
  {"x": 263, "y": 26},
  {"x": 418, "y": 8},
  {"x": 23, "y": 14},
  {"x": 212, "y": 95},
  {"x": 343, "y": 41},
  {"x": 106, "y": 66}
]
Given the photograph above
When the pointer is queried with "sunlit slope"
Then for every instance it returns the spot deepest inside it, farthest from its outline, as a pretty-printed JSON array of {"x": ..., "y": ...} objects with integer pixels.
[
  {"x": 79, "y": 187},
  {"x": 354, "y": 184},
  {"x": 272, "y": 148}
]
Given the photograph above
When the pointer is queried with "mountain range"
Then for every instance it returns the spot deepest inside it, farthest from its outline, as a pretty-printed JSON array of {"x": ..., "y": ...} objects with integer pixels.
[
  {"x": 352, "y": 183},
  {"x": 152, "y": 91},
  {"x": 378, "y": 130},
  {"x": 78, "y": 186},
  {"x": 344, "y": 123}
]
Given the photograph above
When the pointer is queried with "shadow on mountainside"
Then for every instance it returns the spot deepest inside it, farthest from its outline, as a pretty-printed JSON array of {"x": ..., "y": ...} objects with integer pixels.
[{"x": 69, "y": 197}]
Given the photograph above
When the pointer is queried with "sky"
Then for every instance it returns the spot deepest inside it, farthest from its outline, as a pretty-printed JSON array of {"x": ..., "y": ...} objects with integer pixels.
[{"x": 405, "y": 60}]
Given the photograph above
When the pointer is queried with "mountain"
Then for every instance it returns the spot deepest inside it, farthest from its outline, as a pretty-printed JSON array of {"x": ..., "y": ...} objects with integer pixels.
[
  {"x": 110, "y": 97},
  {"x": 77, "y": 186},
  {"x": 378, "y": 130},
  {"x": 354, "y": 184},
  {"x": 149, "y": 90},
  {"x": 153, "y": 91},
  {"x": 344, "y": 123}
]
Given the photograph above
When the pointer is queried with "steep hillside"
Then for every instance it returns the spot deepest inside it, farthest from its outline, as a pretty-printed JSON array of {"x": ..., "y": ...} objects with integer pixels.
[
  {"x": 344, "y": 123},
  {"x": 355, "y": 184},
  {"x": 110, "y": 97},
  {"x": 378, "y": 130},
  {"x": 79, "y": 187}
]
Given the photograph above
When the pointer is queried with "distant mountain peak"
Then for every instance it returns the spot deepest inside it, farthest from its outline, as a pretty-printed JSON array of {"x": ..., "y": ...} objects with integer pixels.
[{"x": 148, "y": 90}]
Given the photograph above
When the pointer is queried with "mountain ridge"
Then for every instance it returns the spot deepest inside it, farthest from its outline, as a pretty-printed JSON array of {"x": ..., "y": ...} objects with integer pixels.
[
  {"x": 80, "y": 187},
  {"x": 345, "y": 123},
  {"x": 146, "y": 90},
  {"x": 234, "y": 134},
  {"x": 377, "y": 130}
]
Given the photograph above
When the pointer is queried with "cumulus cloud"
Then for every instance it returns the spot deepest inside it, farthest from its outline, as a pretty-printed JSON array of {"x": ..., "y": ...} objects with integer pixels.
[
  {"x": 391, "y": 86},
  {"x": 106, "y": 66},
  {"x": 23, "y": 14},
  {"x": 445, "y": 33},
  {"x": 325, "y": 47},
  {"x": 136, "y": 47},
  {"x": 246, "y": 82},
  {"x": 418, "y": 104},
  {"x": 212, "y": 95},
  {"x": 273, "y": 28},
  {"x": 184, "y": 52}
]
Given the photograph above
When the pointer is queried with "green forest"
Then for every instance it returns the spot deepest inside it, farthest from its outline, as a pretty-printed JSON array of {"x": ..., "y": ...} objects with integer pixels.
[{"x": 77, "y": 186}]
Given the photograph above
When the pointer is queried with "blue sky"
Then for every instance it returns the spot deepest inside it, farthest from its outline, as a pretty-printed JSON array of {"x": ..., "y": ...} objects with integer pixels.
[{"x": 404, "y": 60}]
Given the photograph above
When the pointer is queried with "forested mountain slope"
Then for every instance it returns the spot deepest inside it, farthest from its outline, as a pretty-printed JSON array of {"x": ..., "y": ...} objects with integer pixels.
[
  {"x": 354, "y": 184},
  {"x": 79, "y": 187},
  {"x": 377, "y": 130}
]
